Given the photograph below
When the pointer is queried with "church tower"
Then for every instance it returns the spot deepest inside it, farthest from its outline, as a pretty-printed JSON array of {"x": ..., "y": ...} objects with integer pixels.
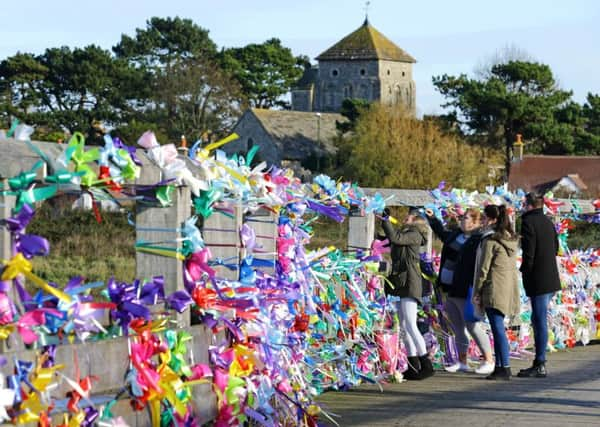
[{"x": 364, "y": 65}]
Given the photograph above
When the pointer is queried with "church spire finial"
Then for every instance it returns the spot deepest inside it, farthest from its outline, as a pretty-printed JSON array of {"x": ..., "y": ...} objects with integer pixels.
[{"x": 367, "y": 4}]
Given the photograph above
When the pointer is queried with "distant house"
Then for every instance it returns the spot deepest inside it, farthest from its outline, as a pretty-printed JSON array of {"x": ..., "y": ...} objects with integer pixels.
[
  {"x": 564, "y": 175},
  {"x": 286, "y": 138}
]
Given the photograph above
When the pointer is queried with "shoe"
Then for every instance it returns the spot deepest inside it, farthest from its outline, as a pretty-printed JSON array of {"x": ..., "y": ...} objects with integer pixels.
[
  {"x": 426, "y": 370},
  {"x": 538, "y": 370},
  {"x": 413, "y": 371},
  {"x": 459, "y": 367},
  {"x": 485, "y": 368},
  {"x": 500, "y": 373}
]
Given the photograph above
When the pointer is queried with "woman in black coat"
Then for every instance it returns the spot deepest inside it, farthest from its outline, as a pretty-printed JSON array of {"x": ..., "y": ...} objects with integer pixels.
[
  {"x": 540, "y": 275},
  {"x": 407, "y": 283}
]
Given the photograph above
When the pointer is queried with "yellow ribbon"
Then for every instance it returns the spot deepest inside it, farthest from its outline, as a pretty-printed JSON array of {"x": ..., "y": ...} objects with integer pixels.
[
  {"x": 205, "y": 152},
  {"x": 162, "y": 252},
  {"x": 20, "y": 265},
  {"x": 6, "y": 330}
]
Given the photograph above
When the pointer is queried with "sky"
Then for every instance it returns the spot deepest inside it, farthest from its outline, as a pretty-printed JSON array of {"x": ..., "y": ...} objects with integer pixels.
[{"x": 446, "y": 37}]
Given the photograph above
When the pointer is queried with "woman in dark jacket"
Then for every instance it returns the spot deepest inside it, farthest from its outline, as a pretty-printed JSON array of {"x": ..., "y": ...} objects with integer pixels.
[
  {"x": 457, "y": 268},
  {"x": 407, "y": 283}
]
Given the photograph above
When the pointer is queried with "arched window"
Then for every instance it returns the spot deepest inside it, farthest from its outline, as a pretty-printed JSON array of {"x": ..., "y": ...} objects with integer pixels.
[
  {"x": 330, "y": 96},
  {"x": 249, "y": 144},
  {"x": 363, "y": 91},
  {"x": 335, "y": 72},
  {"x": 397, "y": 95}
]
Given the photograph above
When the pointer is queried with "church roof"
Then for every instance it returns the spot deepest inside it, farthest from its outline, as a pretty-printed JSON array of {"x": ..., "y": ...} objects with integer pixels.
[
  {"x": 365, "y": 43},
  {"x": 297, "y": 132}
]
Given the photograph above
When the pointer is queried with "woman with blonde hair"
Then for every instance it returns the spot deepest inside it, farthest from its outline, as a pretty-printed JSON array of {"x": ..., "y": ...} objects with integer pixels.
[{"x": 457, "y": 268}]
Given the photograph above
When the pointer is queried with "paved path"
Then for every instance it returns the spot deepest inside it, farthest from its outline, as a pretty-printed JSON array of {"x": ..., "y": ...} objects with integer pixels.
[{"x": 569, "y": 396}]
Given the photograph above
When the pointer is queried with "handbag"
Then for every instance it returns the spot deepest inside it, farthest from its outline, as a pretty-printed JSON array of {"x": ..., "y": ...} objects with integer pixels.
[{"x": 472, "y": 314}]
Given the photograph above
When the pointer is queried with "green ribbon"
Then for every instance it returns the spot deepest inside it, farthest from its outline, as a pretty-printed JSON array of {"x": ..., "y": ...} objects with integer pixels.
[
  {"x": 13, "y": 127},
  {"x": 77, "y": 154},
  {"x": 24, "y": 179},
  {"x": 203, "y": 203},
  {"x": 164, "y": 194},
  {"x": 63, "y": 177}
]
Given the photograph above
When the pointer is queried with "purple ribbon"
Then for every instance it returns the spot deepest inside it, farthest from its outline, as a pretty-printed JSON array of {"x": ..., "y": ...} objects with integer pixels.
[
  {"x": 179, "y": 300},
  {"x": 131, "y": 150},
  {"x": 31, "y": 245}
]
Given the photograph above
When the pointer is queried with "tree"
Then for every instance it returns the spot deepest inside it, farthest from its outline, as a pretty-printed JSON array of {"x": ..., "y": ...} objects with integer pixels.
[
  {"x": 165, "y": 40},
  {"x": 590, "y": 143},
  {"x": 265, "y": 71},
  {"x": 67, "y": 89},
  {"x": 391, "y": 149},
  {"x": 201, "y": 99},
  {"x": 188, "y": 93},
  {"x": 518, "y": 98},
  {"x": 351, "y": 109}
]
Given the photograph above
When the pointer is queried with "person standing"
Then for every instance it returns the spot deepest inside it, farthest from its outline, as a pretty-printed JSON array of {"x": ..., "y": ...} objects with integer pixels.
[
  {"x": 407, "y": 283},
  {"x": 540, "y": 275},
  {"x": 457, "y": 268},
  {"x": 496, "y": 287}
]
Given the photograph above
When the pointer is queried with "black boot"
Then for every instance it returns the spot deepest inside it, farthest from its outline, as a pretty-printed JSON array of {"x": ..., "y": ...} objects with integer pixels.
[
  {"x": 492, "y": 376},
  {"x": 426, "y": 367},
  {"x": 537, "y": 370},
  {"x": 414, "y": 368},
  {"x": 500, "y": 373}
]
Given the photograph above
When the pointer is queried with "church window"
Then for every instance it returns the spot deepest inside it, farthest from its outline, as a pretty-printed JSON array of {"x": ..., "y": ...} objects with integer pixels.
[
  {"x": 398, "y": 95},
  {"x": 363, "y": 72},
  {"x": 363, "y": 92},
  {"x": 335, "y": 72},
  {"x": 389, "y": 72},
  {"x": 250, "y": 144},
  {"x": 348, "y": 91},
  {"x": 330, "y": 96},
  {"x": 403, "y": 73}
]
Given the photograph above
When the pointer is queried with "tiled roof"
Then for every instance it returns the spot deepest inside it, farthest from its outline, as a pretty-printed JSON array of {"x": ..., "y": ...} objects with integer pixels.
[
  {"x": 365, "y": 43},
  {"x": 299, "y": 130},
  {"x": 537, "y": 172},
  {"x": 402, "y": 197}
]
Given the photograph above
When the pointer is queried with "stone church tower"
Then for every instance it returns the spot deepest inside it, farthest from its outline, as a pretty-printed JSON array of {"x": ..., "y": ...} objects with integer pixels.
[{"x": 365, "y": 65}]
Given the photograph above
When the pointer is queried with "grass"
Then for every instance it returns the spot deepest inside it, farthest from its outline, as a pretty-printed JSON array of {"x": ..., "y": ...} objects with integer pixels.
[
  {"x": 80, "y": 246},
  {"x": 60, "y": 269}
]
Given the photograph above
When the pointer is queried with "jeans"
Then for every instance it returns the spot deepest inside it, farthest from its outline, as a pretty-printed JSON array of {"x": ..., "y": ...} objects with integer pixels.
[
  {"x": 501, "y": 347},
  {"x": 539, "y": 321}
]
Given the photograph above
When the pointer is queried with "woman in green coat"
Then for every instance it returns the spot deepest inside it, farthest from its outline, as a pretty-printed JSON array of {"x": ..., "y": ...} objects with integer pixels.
[
  {"x": 407, "y": 284},
  {"x": 496, "y": 286}
]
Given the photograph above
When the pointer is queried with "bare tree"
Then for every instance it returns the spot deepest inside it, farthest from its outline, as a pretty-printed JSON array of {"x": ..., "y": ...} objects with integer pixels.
[{"x": 510, "y": 52}]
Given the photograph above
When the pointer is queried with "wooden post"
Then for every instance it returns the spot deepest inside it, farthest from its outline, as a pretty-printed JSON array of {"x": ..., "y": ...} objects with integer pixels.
[
  {"x": 7, "y": 203},
  {"x": 151, "y": 223},
  {"x": 221, "y": 235},
  {"x": 361, "y": 231}
]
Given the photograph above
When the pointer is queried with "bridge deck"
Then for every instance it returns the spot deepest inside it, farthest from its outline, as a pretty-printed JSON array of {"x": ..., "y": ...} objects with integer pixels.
[{"x": 569, "y": 396}]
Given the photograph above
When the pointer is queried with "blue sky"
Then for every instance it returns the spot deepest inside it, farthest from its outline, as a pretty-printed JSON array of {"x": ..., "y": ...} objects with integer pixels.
[{"x": 444, "y": 36}]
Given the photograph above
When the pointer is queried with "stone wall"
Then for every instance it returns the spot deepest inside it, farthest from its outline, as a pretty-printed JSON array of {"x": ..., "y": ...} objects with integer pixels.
[
  {"x": 302, "y": 99},
  {"x": 252, "y": 133},
  {"x": 390, "y": 82}
]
